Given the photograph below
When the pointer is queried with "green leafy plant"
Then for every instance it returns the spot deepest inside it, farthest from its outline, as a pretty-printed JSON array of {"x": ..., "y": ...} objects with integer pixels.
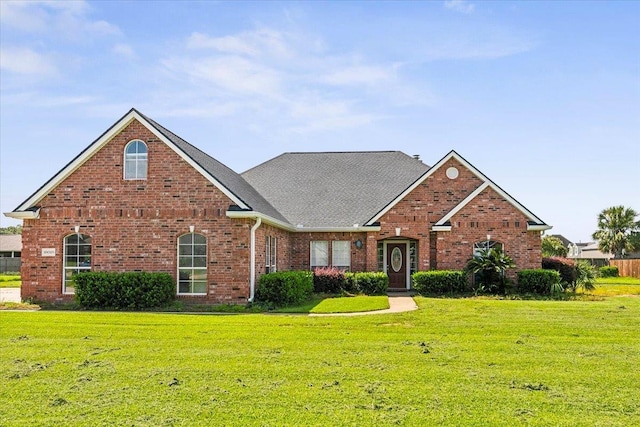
[
  {"x": 586, "y": 276},
  {"x": 618, "y": 231},
  {"x": 131, "y": 290},
  {"x": 284, "y": 288},
  {"x": 372, "y": 283},
  {"x": 552, "y": 246},
  {"x": 539, "y": 281},
  {"x": 488, "y": 268},
  {"x": 566, "y": 267},
  {"x": 609, "y": 271},
  {"x": 439, "y": 282}
]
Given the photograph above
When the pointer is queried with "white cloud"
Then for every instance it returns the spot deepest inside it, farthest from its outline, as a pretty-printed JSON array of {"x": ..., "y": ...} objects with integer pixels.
[
  {"x": 124, "y": 50},
  {"x": 461, "y": 6},
  {"x": 25, "y": 61},
  {"x": 68, "y": 19},
  {"x": 265, "y": 42}
]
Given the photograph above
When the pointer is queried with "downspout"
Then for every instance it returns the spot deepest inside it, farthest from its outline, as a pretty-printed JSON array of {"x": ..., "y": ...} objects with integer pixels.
[{"x": 252, "y": 280}]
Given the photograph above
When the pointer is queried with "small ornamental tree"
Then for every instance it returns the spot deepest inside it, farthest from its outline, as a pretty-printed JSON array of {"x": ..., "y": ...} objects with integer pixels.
[{"x": 552, "y": 246}]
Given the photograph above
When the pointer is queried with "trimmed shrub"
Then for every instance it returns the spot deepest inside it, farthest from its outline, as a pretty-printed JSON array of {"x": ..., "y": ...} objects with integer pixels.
[
  {"x": 566, "y": 267},
  {"x": 350, "y": 283},
  {"x": 538, "y": 281},
  {"x": 370, "y": 283},
  {"x": 439, "y": 282},
  {"x": 133, "y": 290},
  {"x": 327, "y": 280},
  {"x": 609, "y": 271},
  {"x": 284, "y": 288}
]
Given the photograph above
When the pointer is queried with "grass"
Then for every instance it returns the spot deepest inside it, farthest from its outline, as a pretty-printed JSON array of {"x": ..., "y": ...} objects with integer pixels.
[
  {"x": 453, "y": 362},
  {"x": 351, "y": 304},
  {"x": 615, "y": 286},
  {"x": 10, "y": 281}
]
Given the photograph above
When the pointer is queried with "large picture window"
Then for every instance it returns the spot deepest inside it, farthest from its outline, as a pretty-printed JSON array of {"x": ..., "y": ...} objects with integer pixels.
[
  {"x": 135, "y": 160},
  {"x": 270, "y": 254},
  {"x": 319, "y": 254},
  {"x": 77, "y": 259},
  {"x": 341, "y": 254},
  {"x": 192, "y": 264}
]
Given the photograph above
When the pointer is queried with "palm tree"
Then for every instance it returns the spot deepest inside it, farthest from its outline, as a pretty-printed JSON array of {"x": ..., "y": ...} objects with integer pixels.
[
  {"x": 617, "y": 230},
  {"x": 488, "y": 268}
]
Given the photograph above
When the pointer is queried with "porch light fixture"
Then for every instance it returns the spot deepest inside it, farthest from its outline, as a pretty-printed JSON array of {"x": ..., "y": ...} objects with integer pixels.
[
  {"x": 358, "y": 244},
  {"x": 191, "y": 228}
]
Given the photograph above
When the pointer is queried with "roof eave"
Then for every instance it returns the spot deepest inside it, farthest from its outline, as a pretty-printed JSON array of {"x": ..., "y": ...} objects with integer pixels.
[
  {"x": 248, "y": 214},
  {"x": 33, "y": 214},
  {"x": 538, "y": 227}
]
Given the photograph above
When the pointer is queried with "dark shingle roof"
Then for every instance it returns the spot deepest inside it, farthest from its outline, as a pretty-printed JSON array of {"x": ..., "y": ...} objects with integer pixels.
[
  {"x": 335, "y": 189},
  {"x": 226, "y": 176}
]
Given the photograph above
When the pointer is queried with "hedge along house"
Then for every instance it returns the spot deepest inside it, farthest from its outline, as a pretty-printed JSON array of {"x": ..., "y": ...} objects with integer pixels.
[{"x": 140, "y": 198}]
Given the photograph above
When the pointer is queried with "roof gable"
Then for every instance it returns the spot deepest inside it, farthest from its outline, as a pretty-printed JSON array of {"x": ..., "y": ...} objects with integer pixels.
[
  {"x": 442, "y": 224},
  {"x": 225, "y": 179}
]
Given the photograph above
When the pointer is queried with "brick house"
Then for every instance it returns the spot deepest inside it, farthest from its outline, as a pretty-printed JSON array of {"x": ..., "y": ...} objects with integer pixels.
[{"x": 140, "y": 198}]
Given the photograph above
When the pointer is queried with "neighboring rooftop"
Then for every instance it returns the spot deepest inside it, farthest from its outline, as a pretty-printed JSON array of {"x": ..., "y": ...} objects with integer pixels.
[
  {"x": 10, "y": 243},
  {"x": 334, "y": 189}
]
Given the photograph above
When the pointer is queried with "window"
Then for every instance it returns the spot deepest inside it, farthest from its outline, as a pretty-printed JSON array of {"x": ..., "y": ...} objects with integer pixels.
[
  {"x": 485, "y": 245},
  {"x": 77, "y": 259},
  {"x": 192, "y": 264},
  {"x": 270, "y": 255},
  {"x": 319, "y": 253},
  {"x": 341, "y": 254},
  {"x": 135, "y": 160}
]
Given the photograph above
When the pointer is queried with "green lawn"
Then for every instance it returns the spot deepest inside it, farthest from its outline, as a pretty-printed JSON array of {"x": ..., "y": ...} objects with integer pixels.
[
  {"x": 9, "y": 281},
  {"x": 453, "y": 362},
  {"x": 351, "y": 304},
  {"x": 613, "y": 286}
]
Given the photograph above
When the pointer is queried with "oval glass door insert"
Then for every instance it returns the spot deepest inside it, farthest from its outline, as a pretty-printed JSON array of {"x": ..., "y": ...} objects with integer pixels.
[{"x": 396, "y": 259}]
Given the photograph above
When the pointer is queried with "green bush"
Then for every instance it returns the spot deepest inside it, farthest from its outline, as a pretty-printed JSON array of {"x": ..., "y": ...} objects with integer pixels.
[
  {"x": 284, "y": 288},
  {"x": 350, "y": 283},
  {"x": 133, "y": 290},
  {"x": 539, "y": 281},
  {"x": 327, "y": 280},
  {"x": 439, "y": 282},
  {"x": 566, "y": 267},
  {"x": 609, "y": 271},
  {"x": 370, "y": 283},
  {"x": 586, "y": 275}
]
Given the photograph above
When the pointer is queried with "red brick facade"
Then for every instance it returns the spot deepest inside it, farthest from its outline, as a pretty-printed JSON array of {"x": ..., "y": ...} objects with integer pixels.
[{"x": 135, "y": 224}]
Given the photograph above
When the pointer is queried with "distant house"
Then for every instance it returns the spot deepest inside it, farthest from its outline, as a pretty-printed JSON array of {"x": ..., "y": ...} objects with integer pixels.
[
  {"x": 142, "y": 198},
  {"x": 589, "y": 252},
  {"x": 10, "y": 252},
  {"x": 10, "y": 245}
]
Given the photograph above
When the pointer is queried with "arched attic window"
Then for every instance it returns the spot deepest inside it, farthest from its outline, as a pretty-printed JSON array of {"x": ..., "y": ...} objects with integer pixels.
[{"x": 135, "y": 160}]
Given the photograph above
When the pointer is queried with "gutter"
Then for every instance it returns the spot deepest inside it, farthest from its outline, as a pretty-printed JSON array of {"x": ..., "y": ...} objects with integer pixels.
[
  {"x": 23, "y": 214},
  {"x": 252, "y": 280}
]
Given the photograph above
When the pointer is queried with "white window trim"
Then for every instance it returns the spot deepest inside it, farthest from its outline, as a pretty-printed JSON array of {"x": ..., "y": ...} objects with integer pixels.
[
  {"x": 124, "y": 162},
  {"x": 205, "y": 268},
  {"x": 271, "y": 256},
  {"x": 64, "y": 264}
]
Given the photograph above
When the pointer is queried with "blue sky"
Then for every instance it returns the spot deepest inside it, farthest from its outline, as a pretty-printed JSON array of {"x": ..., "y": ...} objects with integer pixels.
[{"x": 542, "y": 97}]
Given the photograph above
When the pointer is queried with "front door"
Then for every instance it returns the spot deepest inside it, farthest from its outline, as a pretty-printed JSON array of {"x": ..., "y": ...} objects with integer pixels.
[{"x": 397, "y": 265}]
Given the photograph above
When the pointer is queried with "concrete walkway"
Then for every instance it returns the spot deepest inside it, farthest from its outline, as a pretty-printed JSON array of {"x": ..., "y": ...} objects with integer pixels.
[
  {"x": 398, "y": 303},
  {"x": 10, "y": 295}
]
